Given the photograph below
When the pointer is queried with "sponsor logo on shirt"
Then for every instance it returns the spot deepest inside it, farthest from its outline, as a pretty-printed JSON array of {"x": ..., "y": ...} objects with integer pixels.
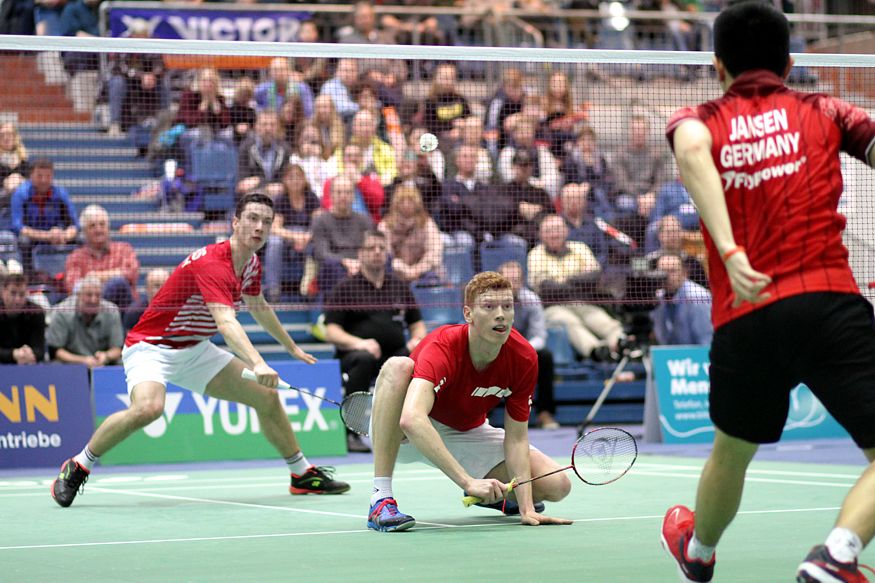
[
  {"x": 491, "y": 392},
  {"x": 440, "y": 385}
]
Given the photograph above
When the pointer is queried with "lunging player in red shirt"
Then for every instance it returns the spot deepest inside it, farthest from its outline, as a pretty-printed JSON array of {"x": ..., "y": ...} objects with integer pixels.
[
  {"x": 762, "y": 165},
  {"x": 432, "y": 407},
  {"x": 171, "y": 343}
]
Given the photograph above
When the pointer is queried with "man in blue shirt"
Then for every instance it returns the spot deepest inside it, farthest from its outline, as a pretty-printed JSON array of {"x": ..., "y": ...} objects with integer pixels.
[
  {"x": 42, "y": 212},
  {"x": 683, "y": 315}
]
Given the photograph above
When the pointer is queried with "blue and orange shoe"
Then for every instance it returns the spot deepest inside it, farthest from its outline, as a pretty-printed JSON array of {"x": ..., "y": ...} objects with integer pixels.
[
  {"x": 677, "y": 530},
  {"x": 820, "y": 566},
  {"x": 385, "y": 516}
]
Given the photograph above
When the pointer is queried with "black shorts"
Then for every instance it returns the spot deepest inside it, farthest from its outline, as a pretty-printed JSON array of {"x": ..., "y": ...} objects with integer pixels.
[{"x": 825, "y": 340}]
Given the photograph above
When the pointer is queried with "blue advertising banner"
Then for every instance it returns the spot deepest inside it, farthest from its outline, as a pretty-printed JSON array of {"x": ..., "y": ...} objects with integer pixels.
[
  {"x": 197, "y": 427},
  {"x": 45, "y": 414},
  {"x": 683, "y": 384},
  {"x": 208, "y": 24}
]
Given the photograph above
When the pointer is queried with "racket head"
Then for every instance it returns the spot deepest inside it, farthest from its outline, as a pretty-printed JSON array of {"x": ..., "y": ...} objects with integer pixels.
[
  {"x": 355, "y": 411},
  {"x": 604, "y": 455}
]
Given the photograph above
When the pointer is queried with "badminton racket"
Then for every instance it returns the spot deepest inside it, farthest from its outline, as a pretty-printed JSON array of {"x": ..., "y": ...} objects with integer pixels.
[
  {"x": 599, "y": 457},
  {"x": 355, "y": 410}
]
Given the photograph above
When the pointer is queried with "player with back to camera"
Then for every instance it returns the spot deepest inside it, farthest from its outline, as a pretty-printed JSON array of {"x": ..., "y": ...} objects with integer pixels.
[
  {"x": 171, "y": 343},
  {"x": 432, "y": 407},
  {"x": 762, "y": 165}
]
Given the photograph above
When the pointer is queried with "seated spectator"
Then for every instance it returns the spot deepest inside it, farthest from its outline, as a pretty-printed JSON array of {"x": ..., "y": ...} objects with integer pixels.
[
  {"x": 363, "y": 29},
  {"x": 42, "y": 212},
  {"x": 562, "y": 116},
  {"x": 112, "y": 263},
  {"x": 683, "y": 315},
  {"x": 365, "y": 95},
  {"x": 202, "y": 110},
  {"x": 671, "y": 241},
  {"x": 461, "y": 198},
  {"x": 154, "y": 280},
  {"x": 585, "y": 163},
  {"x": 338, "y": 235},
  {"x": 378, "y": 155},
  {"x": 135, "y": 90},
  {"x": 471, "y": 134},
  {"x": 47, "y": 15},
  {"x": 14, "y": 165},
  {"x": 444, "y": 106},
  {"x": 282, "y": 84},
  {"x": 312, "y": 70},
  {"x": 339, "y": 88},
  {"x": 533, "y": 203},
  {"x": 639, "y": 170},
  {"x": 414, "y": 238},
  {"x": 415, "y": 30},
  {"x": 671, "y": 199},
  {"x": 507, "y": 101},
  {"x": 332, "y": 133},
  {"x": 580, "y": 220},
  {"x": 285, "y": 253},
  {"x": 530, "y": 321},
  {"x": 308, "y": 154},
  {"x": 415, "y": 171},
  {"x": 263, "y": 156},
  {"x": 563, "y": 273},
  {"x": 366, "y": 338},
  {"x": 544, "y": 172},
  {"x": 81, "y": 18},
  {"x": 241, "y": 112},
  {"x": 86, "y": 329},
  {"x": 369, "y": 194},
  {"x": 23, "y": 323}
]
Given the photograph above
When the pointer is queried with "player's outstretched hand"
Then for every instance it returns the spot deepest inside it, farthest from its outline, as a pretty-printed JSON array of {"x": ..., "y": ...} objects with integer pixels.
[
  {"x": 488, "y": 490},
  {"x": 301, "y": 355},
  {"x": 535, "y": 519},
  {"x": 266, "y": 376},
  {"x": 747, "y": 283}
]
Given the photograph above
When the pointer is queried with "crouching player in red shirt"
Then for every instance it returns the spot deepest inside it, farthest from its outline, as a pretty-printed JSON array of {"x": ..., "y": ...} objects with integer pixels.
[{"x": 432, "y": 407}]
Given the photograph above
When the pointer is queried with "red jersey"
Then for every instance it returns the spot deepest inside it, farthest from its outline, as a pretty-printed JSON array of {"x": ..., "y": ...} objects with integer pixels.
[
  {"x": 463, "y": 395},
  {"x": 777, "y": 152},
  {"x": 178, "y": 317}
]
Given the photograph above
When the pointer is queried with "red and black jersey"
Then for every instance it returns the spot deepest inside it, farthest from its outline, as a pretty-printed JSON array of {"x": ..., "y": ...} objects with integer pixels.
[{"x": 777, "y": 152}]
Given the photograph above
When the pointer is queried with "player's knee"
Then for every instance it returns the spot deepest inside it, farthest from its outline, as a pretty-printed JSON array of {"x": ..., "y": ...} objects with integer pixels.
[
  {"x": 397, "y": 372},
  {"x": 555, "y": 489},
  {"x": 146, "y": 412},
  {"x": 270, "y": 400}
]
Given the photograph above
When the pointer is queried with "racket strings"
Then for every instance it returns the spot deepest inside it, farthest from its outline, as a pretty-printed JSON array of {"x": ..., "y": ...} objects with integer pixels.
[
  {"x": 604, "y": 455},
  {"x": 356, "y": 412}
]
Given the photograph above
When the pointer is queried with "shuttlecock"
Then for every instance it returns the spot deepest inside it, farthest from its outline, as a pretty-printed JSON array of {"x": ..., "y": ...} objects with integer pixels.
[{"x": 428, "y": 142}]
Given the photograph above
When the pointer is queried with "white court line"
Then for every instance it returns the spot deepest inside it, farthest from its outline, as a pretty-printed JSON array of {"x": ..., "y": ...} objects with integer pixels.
[
  {"x": 753, "y": 471},
  {"x": 243, "y": 504},
  {"x": 433, "y": 526},
  {"x": 749, "y": 479}
]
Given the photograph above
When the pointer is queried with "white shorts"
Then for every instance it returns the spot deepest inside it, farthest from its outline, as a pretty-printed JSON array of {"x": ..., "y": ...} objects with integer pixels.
[
  {"x": 190, "y": 368},
  {"x": 477, "y": 450}
]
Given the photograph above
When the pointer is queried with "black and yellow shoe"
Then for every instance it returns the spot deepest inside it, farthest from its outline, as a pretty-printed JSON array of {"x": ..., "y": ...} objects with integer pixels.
[
  {"x": 70, "y": 481},
  {"x": 317, "y": 480}
]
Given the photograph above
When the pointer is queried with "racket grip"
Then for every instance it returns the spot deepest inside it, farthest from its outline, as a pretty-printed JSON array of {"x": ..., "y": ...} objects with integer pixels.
[
  {"x": 470, "y": 501},
  {"x": 249, "y": 375}
]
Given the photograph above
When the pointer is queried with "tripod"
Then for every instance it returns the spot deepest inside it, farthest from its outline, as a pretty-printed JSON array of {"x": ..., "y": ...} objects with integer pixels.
[{"x": 628, "y": 353}]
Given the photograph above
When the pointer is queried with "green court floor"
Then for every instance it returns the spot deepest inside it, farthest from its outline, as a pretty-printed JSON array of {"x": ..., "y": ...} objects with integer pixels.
[{"x": 242, "y": 525}]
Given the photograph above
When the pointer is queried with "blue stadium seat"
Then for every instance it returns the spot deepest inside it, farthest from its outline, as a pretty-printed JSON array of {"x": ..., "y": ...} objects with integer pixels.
[
  {"x": 459, "y": 266},
  {"x": 439, "y": 305},
  {"x": 213, "y": 167},
  {"x": 494, "y": 253}
]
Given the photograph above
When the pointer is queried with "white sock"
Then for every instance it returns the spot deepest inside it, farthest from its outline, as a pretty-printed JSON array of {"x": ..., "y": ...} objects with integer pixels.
[
  {"x": 86, "y": 458},
  {"x": 844, "y": 545},
  {"x": 697, "y": 550},
  {"x": 382, "y": 489},
  {"x": 297, "y": 463}
]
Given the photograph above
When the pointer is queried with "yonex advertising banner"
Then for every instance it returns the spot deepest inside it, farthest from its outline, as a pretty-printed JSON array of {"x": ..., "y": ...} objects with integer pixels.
[
  {"x": 45, "y": 414},
  {"x": 196, "y": 427},
  {"x": 207, "y": 24},
  {"x": 682, "y": 386}
]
